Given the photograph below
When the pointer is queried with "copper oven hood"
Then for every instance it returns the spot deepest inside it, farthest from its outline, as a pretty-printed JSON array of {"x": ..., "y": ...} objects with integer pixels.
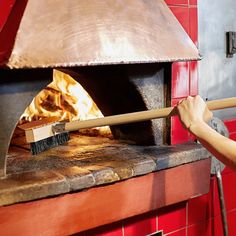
[{"x": 55, "y": 33}]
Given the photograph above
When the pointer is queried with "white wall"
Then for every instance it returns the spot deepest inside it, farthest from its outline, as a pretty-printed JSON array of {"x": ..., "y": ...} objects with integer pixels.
[{"x": 217, "y": 74}]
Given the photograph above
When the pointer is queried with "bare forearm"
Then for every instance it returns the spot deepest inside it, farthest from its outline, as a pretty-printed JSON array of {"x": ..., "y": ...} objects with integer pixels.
[{"x": 221, "y": 147}]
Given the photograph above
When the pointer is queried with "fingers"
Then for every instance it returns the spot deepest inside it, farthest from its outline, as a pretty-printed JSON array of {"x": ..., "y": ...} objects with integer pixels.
[
  {"x": 180, "y": 101},
  {"x": 192, "y": 110},
  {"x": 184, "y": 100},
  {"x": 189, "y": 98}
]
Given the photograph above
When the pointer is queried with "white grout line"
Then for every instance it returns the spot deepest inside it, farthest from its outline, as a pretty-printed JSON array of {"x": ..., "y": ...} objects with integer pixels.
[
  {"x": 123, "y": 229},
  {"x": 187, "y": 218},
  {"x": 157, "y": 221},
  {"x": 232, "y": 210}
]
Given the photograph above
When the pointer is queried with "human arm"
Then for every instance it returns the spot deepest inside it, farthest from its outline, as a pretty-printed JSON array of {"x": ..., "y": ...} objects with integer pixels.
[{"x": 194, "y": 114}]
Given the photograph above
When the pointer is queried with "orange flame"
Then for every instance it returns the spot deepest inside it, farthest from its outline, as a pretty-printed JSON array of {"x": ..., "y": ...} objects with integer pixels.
[{"x": 64, "y": 98}]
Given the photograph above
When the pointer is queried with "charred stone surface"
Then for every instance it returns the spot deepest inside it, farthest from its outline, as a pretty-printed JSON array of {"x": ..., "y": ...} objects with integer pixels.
[
  {"x": 27, "y": 186},
  {"x": 85, "y": 162}
]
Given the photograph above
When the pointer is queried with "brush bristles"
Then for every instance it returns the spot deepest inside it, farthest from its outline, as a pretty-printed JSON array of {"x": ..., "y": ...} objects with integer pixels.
[{"x": 48, "y": 143}]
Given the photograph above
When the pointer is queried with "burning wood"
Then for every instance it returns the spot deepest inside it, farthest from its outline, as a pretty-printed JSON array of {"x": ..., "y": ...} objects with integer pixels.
[{"x": 66, "y": 99}]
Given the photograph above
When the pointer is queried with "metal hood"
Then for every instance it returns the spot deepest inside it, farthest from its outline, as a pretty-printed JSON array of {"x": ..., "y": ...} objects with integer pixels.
[{"x": 59, "y": 33}]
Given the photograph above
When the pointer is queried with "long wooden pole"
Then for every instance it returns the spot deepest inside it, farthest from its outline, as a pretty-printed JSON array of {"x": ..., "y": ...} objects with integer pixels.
[
  {"x": 45, "y": 129},
  {"x": 142, "y": 115}
]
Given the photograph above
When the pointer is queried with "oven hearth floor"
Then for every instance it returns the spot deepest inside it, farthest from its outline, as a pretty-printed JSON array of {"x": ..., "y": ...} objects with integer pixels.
[{"x": 85, "y": 162}]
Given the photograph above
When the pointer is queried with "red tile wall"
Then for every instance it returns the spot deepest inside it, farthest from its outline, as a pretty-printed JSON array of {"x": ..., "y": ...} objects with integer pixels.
[
  {"x": 196, "y": 217},
  {"x": 177, "y": 2},
  {"x": 5, "y": 6},
  {"x": 231, "y": 128},
  {"x": 178, "y": 133},
  {"x": 171, "y": 219},
  {"x": 199, "y": 216},
  {"x": 141, "y": 225},
  {"x": 7, "y": 34},
  {"x": 115, "y": 229},
  {"x": 184, "y": 74}
]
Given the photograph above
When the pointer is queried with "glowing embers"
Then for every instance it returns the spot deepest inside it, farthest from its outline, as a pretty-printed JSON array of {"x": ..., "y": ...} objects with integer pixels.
[{"x": 66, "y": 99}]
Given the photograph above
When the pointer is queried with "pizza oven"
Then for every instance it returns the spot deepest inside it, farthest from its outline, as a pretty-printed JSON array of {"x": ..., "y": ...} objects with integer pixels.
[{"x": 120, "y": 53}]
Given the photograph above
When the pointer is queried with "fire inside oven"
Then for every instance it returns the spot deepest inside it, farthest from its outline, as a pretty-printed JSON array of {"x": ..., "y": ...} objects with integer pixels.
[
  {"x": 66, "y": 100},
  {"x": 116, "y": 90}
]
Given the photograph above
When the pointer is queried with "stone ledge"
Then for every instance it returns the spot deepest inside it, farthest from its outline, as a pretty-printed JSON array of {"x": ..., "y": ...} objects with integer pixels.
[
  {"x": 31, "y": 185},
  {"x": 108, "y": 203},
  {"x": 95, "y": 162}
]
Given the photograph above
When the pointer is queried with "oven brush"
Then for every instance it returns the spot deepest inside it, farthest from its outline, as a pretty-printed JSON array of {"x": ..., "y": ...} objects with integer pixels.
[{"x": 48, "y": 133}]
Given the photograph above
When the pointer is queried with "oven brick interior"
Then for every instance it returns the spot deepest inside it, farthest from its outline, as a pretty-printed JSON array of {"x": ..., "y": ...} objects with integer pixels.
[{"x": 129, "y": 88}]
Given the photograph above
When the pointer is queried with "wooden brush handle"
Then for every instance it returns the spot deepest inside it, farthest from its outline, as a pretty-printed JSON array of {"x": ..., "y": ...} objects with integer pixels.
[
  {"x": 142, "y": 115},
  {"x": 221, "y": 103},
  {"x": 119, "y": 119}
]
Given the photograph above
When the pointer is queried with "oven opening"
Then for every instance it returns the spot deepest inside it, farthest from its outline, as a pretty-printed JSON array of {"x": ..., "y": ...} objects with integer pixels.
[
  {"x": 85, "y": 93},
  {"x": 66, "y": 100}
]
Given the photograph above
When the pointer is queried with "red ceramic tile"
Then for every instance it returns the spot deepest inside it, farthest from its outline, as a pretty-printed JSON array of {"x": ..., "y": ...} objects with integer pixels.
[
  {"x": 198, "y": 229},
  {"x": 11, "y": 23},
  {"x": 193, "y": 25},
  {"x": 180, "y": 70},
  {"x": 182, "y": 14},
  {"x": 229, "y": 183},
  {"x": 198, "y": 209},
  {"x": 213, "y": 205},
  {"x": 231, "y": 125},
  {"x": 232, "y": 136},
  {"x": 232, "y": 223},
  {"x": 180, "y": 79},
  {"x": 177, "y": 2},
  {"x": 181, "y": 232},
  {"x": 175, "y": 101},
  {"x": 193, "y": 33},
  {"x": 172, "y": 218},
  {"x": 140, "y": 225},
  {"x": 208, "y": 225},
  {"x": 178, "y": 133},
  {"x": 193, "y": 2},
  {"x": 193, "y": 78},
  {"x": 227, "y": 170},
  {"x": 214, "y": 198},
  {"x": 216, "y": 226},
  {"x": 229, "y": 191},
  {"x": 5, "y": 9},
  {"x": 114, "y": 229},
  {"x": 204, "y": 228}
]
